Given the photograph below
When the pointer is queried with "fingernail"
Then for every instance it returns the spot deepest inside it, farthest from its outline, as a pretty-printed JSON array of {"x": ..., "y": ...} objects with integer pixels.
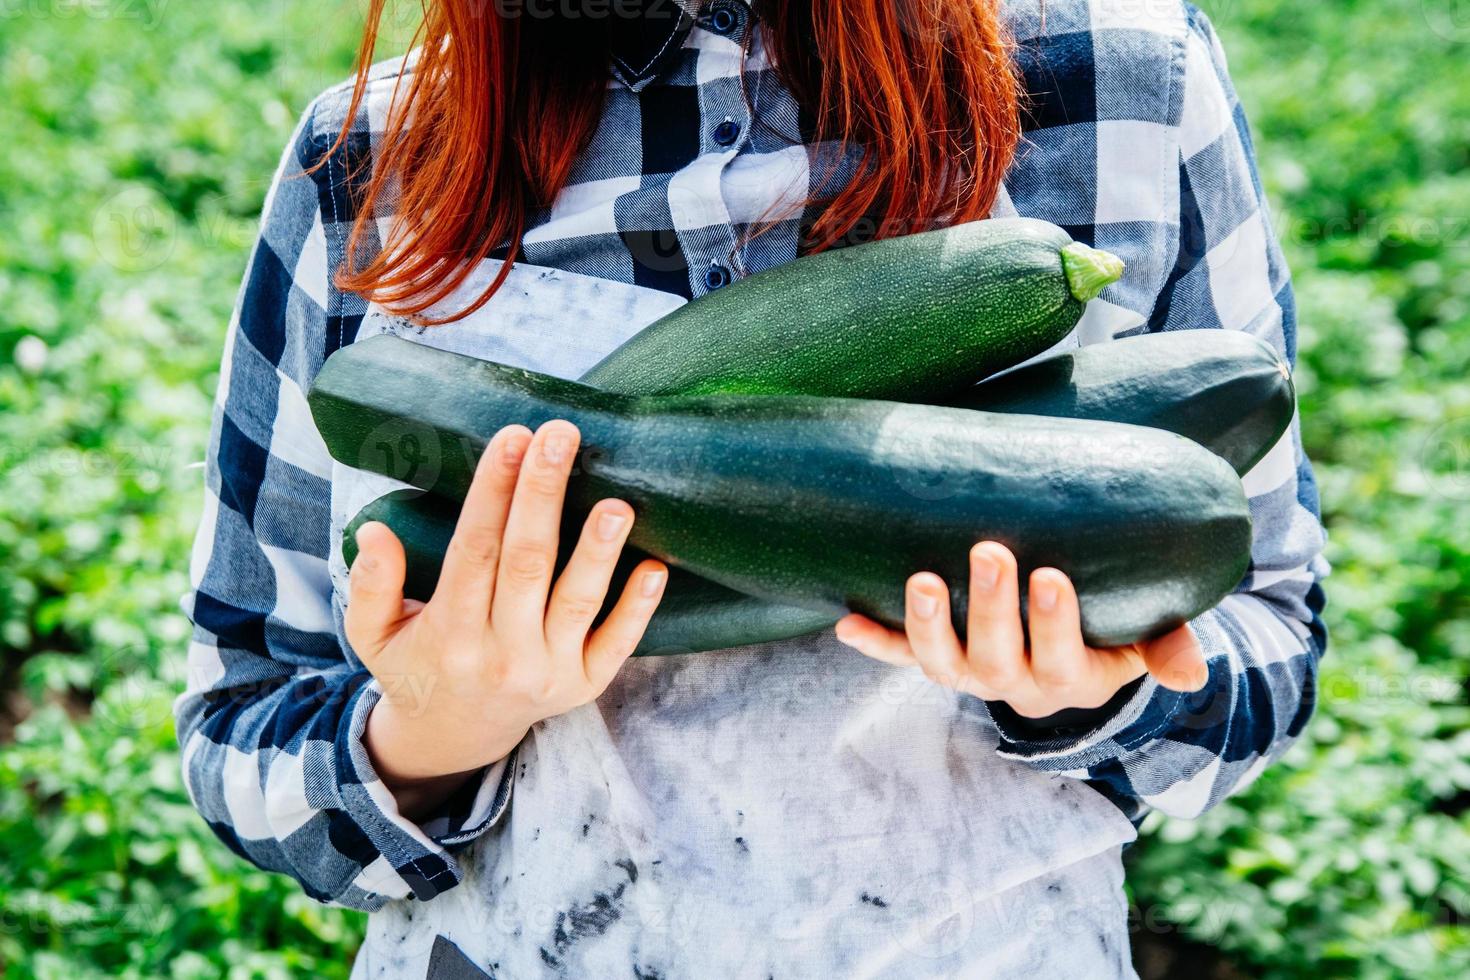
[
  {"x": 363, "y": 561},
  {"x": 925, "y": 605},
  {"x": 652, "y": 582},
  {"x": 986, "y": 573},
  {"x": 1045, "y": 594},
  {"x": 513, "y": 451},
  {"x": 554, "y": 449},
  {"x": 609, "y": 525},
  {"x": 1201, "y": 676}
]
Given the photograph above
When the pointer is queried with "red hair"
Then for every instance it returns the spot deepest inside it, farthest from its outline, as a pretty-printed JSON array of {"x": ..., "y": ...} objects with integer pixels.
[{"x": 500, "y": 106}]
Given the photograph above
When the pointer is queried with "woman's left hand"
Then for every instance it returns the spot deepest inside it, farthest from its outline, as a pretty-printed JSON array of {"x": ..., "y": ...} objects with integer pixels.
[{"x": 1058, "y": 671}]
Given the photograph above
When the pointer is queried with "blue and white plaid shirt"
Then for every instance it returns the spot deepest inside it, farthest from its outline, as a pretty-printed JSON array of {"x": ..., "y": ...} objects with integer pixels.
[{"x": 779, "y": 810}]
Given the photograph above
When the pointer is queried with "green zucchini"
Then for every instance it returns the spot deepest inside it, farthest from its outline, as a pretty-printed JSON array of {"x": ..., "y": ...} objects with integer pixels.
[
  {"x": 694, "y": 614},
  {"x": 911, "y": 318},
  {"x": 831, "y": 503},
  {"x": 1226, "y": 390},
  {"x": 979, "y": 298}
]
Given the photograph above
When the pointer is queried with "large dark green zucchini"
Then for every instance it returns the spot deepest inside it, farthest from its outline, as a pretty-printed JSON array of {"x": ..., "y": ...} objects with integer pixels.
[
  {"x": 912, "y": 318},
  {"x": 830, "y": 503},
  {"x": 694, "y": 614},
  {"x": 1226, "y": 390},
  {"x": 979, "y": 298}
]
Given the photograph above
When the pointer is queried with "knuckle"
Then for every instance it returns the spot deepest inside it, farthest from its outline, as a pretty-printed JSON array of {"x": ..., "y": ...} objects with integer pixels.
[
  {"x": 937, "y": 675},
  {"x": 439, "y": 621},
  {"x": 458, "y": 660},
  {"x": 534, "y": 684},
  {"x": 546, "y": 479},
  {"x": 522, "y": 680},
  {"x": 550, "y": 689},
  {"x": 923, "y": 630},
  {"x": 989, "y": 614},
  {"x": 623, "y": 643},
  {"x": 496, "y": 672},
  {"x": 1054, "y": 678},
  {"x": 996, "y": 678},
  {"x": 1090, "y": 699},
  {"x": 362, "y": 579},
  {"x": 600, "y": 551},
  {"x": 527, "y": 562},
  {"x": 478, "y": 545},
  {"x": 580, "y": 608}
]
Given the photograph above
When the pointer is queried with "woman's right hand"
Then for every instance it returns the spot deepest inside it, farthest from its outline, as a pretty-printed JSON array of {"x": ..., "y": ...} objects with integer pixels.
[{"x": 499, "y": 646}]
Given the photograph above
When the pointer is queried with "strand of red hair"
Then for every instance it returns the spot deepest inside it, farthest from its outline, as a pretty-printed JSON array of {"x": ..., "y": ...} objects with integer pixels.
[{"x": 489, "y": 125}]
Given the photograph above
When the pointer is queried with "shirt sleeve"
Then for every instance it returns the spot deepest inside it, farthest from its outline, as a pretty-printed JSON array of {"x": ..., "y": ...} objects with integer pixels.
[
  {"x": 270, "y": 724},
  {"x": 1151, "y": 747}
]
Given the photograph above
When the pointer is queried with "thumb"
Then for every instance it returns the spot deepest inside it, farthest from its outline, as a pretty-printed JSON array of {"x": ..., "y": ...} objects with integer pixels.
[
  {"x": 375, "y": 605},
  {"x": 1176, "y": 661}
]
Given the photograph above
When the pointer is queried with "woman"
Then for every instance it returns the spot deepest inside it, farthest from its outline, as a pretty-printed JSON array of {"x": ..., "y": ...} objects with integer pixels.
[{"x": 536, "y": 186}]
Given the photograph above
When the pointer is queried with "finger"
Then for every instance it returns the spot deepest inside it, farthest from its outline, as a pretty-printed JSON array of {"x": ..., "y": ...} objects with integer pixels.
[
  {"x": 467, "y": 579},
  {"x": 528, "y": 550},
  {"x": 581, "y": 589},
  {"x": 612, "y": 643},
  {"x": 996, "y": 642},
  {"x": 1176, "y": 661},
  {"x": 931, "y": 631},
  {"x": 875, "y": 640},
  {"x": 375, "y": 605},
  {"x": 1058, "y": 655}
]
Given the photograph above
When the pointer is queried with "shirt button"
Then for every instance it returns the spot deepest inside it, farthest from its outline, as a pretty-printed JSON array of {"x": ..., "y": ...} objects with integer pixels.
[
  {"x": 724, "y": 20},
  {"x": 716, "y": 276},
  {"x": 726, "y": 132}
]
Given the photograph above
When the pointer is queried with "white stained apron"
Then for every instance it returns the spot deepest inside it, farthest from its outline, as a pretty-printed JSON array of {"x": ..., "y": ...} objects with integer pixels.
[{"x": 793, "y": 810}]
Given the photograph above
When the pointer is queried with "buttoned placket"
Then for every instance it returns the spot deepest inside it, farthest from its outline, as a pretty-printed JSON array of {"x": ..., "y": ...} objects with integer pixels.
[
  {"x": 713, "y": 250},
  {"x": 720, "y": 30}
]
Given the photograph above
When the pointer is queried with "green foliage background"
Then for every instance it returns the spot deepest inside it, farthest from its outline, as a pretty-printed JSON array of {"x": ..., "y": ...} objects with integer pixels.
[{"x": 139, "y": 138}]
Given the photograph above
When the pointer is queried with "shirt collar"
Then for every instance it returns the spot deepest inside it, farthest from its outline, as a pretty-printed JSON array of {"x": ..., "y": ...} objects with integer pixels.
[{"x": 644, "y": 46}]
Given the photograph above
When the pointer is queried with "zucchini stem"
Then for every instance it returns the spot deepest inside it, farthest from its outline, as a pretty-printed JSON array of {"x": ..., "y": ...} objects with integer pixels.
[{"x": 1089, "y": 269}]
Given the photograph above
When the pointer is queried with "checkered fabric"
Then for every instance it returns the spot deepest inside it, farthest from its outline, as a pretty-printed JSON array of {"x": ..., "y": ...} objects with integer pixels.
[{"x": 1135, "y": 143}]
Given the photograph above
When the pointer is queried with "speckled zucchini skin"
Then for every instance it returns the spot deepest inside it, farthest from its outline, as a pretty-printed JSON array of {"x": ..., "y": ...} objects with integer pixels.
[
  {"x": 910, "y": 318},
  {"x": 826, "y": 503},
  {"x": 694, "y": 614},
  {"x": 1226, "y": 390}
]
